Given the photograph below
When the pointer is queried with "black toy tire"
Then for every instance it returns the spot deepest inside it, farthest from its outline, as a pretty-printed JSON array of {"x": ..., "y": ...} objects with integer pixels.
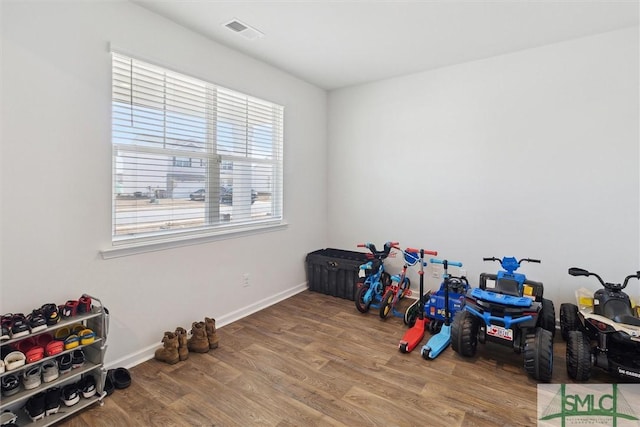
[
  {"x": 403, "y": 348},
  {"x": 411, "y": 314},
  {"x": 385, "y": 308},
  {"x": 578, "y": 356},
  {"x": 435, "y": 326},
  {"x": 425, "y": 354},
  {"x": 359, "y": 299},
  {"x": 568, "y": 319},
  {"x": 464, "y": 333},
  {"x": 548, "y": 317},
  {"x": 538, "y": 355}
]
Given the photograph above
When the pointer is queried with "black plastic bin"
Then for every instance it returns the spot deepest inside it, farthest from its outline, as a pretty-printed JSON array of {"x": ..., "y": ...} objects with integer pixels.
[{"x": 335, "y": 271}]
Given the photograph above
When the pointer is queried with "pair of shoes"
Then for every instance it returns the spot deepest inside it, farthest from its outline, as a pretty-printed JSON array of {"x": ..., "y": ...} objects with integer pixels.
[
  {"x": 14, "y": 326},
  {"x": 45, "y": 403},
  {"x": 117, "y": 378}
]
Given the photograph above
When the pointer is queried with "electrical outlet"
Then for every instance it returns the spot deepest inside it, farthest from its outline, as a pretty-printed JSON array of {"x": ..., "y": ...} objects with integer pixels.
[
  {"x": 435, "y": 274},
  {"x": 245, "y": 280}
]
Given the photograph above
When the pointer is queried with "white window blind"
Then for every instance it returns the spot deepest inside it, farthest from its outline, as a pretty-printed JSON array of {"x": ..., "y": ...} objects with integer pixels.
[{"x": 189, "y": 156}]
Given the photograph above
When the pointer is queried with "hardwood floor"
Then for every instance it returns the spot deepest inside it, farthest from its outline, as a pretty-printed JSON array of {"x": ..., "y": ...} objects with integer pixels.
[{"x": 314, "y": 360}]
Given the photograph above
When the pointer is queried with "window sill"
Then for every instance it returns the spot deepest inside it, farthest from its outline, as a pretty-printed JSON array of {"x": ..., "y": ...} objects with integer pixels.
[{"x": 125, "y": 249}]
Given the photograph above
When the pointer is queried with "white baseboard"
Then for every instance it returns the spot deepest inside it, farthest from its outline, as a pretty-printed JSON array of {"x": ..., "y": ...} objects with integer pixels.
[{"x": 147, "y": 353}]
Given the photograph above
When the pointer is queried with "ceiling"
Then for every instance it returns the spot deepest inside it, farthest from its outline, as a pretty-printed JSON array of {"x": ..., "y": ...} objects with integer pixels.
[{"x": 333, "y": 44}]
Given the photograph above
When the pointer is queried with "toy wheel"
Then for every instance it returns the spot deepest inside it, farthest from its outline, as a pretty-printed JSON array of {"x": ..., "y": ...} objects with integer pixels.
[
  {"x": 538, "y": 355},
  {"x": 548, "y": 317},
  {"x": 464, "y": 333},
  {"x": 403, "y": 347},
  {"x": 407, "y": 285},
  {"x": 387, "y": 302},
  {"x": 359, "y": 300},
  {"x": 411, "y": 314},
  {"x": 425, "y": 354},
  {"x": 435, "y": 326},
  {"x": 578, "y": 356},
  {"x": 568, "y": 319}
]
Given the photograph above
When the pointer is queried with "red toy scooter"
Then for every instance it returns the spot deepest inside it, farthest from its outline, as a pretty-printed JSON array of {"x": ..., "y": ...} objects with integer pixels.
[{"x": 415, "y": 334}]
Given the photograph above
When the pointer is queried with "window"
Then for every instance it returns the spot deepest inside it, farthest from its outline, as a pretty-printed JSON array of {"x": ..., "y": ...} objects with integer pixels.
[{"x": 190, "y": 157}]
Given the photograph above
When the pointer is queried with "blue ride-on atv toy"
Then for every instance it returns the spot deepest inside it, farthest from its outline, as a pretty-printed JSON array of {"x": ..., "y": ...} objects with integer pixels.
[
  {"x": 370, "y": 290},
  {"x": 510, "y": 310},
  {"x": 434, "y": 305}
]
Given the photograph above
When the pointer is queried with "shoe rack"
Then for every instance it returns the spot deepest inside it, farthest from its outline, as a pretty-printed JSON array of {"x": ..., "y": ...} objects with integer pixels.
[{"x": 98, "y": 321}]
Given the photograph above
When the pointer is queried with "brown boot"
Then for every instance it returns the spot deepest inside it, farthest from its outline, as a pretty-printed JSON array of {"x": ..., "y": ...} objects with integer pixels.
[
  {"x": 198, "y": 342},
  {"x": 212, "y": 336},
  {"x": 183, "y": 351},
  {"x": 168, "y": 353}
]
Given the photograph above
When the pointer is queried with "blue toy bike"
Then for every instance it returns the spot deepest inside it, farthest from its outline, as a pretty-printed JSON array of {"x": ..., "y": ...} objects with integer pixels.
[
  {"x": 370, "y": 291},
  {"x": 510, "y": 310}
]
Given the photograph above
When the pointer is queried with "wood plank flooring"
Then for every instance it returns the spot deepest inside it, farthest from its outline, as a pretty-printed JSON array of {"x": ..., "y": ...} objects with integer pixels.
[{"x": 314, "y": 360}]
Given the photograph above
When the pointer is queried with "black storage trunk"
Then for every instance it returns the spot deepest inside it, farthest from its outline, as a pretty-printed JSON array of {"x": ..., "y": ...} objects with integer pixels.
[{"x": 335, "y": 271}]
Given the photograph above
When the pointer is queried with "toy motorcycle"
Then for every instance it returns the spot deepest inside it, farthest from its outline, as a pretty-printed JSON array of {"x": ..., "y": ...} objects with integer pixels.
[{"x": 607, "y": 320}]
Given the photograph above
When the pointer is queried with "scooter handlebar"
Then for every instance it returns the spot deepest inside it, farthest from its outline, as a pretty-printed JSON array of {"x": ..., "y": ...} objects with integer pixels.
[
  {"x": 418, "y": 251},
  {"x": 529, "y": 260},
  {"x": 439, "y": 261}
]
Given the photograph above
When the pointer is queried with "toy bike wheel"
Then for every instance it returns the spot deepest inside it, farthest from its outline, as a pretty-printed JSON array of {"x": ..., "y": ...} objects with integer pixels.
[
  {"x": 403, "y": 347},
  {"x": 361, "y": 305},
  {"x": 387, "y": 304},
  {"x": 407, "y": 286}
]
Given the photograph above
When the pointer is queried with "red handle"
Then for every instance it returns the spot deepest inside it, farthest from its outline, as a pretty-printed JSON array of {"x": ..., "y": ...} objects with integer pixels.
[
  {"x": 361, "y": 245},
  {"x": 395, "y": 243},
  {"x": 418, "y": 250}
]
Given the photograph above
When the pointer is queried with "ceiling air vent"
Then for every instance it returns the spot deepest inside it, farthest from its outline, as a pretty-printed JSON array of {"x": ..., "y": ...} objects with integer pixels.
[{"x": 243, "y": 29}]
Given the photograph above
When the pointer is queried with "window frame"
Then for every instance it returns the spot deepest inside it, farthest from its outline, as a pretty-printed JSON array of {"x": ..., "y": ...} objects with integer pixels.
[{"x": 214, "y": 227}]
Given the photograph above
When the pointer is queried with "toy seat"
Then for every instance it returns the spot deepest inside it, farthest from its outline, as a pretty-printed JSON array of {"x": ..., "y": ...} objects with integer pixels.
[{"x": 627, "y": 320}]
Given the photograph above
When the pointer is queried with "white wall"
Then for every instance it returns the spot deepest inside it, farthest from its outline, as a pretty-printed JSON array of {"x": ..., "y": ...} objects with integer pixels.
[
  {"x": 56, "y": 175},
  {"x": 532, "y": 154}
]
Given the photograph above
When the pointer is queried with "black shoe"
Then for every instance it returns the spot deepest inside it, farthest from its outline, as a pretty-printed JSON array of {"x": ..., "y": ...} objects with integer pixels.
[
  {"x": 77, "y": 358},
  {"x": 37, "y": 321},
  {"x": 51, "y": 314},
  {"x": 87, "y": 386},
  {"x": 108, "y": 385},
  {"x": 70, "y": 394},
  {"x": 10, "y": 385},
  {"x": 64, "y": 363},
  {"x": 52, "y": 400},
  {"x": 35, "y": 406},
  {"x": 120, "y": 377}
]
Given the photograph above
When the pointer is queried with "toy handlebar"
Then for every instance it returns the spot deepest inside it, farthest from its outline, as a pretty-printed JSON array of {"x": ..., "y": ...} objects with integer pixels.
[
  {"x": 418, "y": 251},
  {"x": 575, "y": 271},
  {"x": 522, "y": 259},
  {"x": 439, "y": 261}
]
